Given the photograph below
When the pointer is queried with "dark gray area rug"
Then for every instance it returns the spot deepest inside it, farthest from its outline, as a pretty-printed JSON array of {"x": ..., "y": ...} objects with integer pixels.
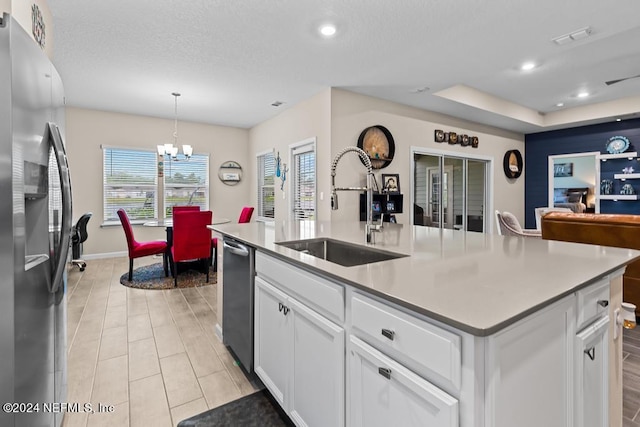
[
  {"x": 152, "y": 277},
  {"x": 257, "y": 409}
]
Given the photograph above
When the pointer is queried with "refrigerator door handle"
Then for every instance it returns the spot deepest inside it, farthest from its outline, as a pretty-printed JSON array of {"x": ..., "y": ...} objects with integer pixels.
[{"x": 62, "y": 252}]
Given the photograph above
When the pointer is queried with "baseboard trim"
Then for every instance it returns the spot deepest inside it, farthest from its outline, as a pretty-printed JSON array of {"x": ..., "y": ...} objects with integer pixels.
[
  {"x": 219, "y": 332},
  {"x": 105, "y": 255}
]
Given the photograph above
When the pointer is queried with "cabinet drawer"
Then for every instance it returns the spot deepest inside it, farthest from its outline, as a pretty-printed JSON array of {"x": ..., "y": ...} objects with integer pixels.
[
  {"x": 593, "y": 301},
  {"x": 407, "y": 337},
  {"x": 385, "y": 393},
  {"x": 326, "y": 297}
]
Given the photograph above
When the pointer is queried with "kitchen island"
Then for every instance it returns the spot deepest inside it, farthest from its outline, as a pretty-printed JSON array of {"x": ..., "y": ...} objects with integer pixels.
[{"x": 467, "y": 329}]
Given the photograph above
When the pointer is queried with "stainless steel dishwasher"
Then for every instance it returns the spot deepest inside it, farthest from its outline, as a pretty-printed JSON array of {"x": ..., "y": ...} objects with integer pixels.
[{"x": 237, "y": 300}]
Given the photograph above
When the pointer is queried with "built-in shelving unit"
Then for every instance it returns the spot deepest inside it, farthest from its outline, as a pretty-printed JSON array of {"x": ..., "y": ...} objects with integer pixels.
[
  {"x": 619, "y": 197},
  {"x": 611, "y": 171},
  {"x": 623, "y": 176},
  {"x": 630, "y": 155}
]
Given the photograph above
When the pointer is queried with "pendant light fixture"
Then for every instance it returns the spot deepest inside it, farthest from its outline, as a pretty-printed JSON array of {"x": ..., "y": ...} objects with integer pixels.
[{"x": 172, "y": 149}]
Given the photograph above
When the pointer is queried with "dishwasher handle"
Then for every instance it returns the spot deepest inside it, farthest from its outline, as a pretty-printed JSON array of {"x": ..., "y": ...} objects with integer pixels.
[{"x": 236, "y": 248}]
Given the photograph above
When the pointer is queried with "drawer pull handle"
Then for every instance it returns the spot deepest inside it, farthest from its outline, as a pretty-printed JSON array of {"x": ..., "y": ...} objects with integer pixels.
[
  {"x": 280, "y": 307},
  {"x": 591, "y": 352},
  {"x": 385, "y": 372},
  {"x": 603, "y": 303},
  {"x": 286, "y": 310},
  {"x": 388, "y": 333}
]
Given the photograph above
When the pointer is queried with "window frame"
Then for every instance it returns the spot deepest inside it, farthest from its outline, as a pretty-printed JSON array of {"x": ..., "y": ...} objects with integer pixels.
[
  {"x": 205, "y": 187},
  {"x": 260, "y": 181},
  {"x": 302, "y": 147},
  {"x": 149, "y": 187}
]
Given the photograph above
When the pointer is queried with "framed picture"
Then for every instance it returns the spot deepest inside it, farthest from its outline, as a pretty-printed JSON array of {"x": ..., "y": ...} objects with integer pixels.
[
  {"x": 391, "y": 183},
  {"x": 391, "y": 206},
  {"x": 562, "y": 169}
]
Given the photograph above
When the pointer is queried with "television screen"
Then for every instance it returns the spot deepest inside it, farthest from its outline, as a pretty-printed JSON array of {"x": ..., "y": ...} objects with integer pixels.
[{"x": 376, "y": 207}]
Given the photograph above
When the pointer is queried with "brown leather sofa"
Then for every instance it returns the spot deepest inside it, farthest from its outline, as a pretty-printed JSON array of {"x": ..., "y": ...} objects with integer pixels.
[{"x": 622, "y": 231}]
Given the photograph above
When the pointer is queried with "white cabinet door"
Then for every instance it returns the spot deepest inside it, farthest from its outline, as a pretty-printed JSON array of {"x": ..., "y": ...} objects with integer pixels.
[
  {"x": 272, "y": 339},
  {"x": 530, "y": 370},
  {"x": 592, "y": 375},
  {"x": 384, "y": 393},
  {"x": 317, "y": 394}
]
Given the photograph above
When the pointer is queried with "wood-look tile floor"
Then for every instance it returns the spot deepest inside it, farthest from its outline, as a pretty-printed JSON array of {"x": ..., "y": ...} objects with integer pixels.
[
  {"x": 151, "y": 354},
  {"x": 631, "y": 377}
]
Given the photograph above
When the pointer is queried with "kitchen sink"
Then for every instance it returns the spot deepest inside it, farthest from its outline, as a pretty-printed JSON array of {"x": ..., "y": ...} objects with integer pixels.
[{"x": 339, "y": 252}]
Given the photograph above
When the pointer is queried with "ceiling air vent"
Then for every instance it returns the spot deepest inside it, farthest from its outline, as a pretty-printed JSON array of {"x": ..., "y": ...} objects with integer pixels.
[{"x": 582, "y": 33}]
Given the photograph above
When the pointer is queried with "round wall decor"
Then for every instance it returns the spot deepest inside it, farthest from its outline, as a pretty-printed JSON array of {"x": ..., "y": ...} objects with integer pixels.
[
  {"x": 378, "y": 143},
  {"x": 512, "y": 164},
  {"x": 230, "y": 172}
]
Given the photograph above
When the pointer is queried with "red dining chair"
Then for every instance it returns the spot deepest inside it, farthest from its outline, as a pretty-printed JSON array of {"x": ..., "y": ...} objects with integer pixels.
[
  {"x": 175, "y": 209},
  {"x": 191, "y": 239},
  {"x": 141, "y": 249},
  {"x": 245, "y": 214}
]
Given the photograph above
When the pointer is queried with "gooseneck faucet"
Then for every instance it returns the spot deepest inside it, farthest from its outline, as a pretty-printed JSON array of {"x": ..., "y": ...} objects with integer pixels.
[{"x": 369, "y": 227}]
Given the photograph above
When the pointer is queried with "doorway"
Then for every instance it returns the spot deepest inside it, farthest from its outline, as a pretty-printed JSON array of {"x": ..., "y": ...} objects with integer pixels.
[{"x": 571, "y": 172}]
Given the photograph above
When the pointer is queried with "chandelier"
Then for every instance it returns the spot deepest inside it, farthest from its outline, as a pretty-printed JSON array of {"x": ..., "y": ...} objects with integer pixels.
[{"x": 171, "y": 150}]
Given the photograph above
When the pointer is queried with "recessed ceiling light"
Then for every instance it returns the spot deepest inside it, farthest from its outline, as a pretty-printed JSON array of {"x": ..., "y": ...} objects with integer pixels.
[
  {"x": 528, "y": 66},
  {"x": 560, "y": 104},
  {"x": 618, "y": 120},
  {"x": 328, "y": 30},
  {"x": 583, "y": 94}
]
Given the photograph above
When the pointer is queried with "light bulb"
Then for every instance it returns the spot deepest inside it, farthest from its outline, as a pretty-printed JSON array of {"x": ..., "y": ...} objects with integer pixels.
[{"x": 328, "y": 30}]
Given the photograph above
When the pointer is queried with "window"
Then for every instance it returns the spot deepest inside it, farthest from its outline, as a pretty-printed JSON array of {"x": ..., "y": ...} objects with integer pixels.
[
  {"x": 130, "y": 182},
  {"x": 304, "y": 181},
  {"x": 186, "y": 183},
  {"x": 266, "y": 189}
]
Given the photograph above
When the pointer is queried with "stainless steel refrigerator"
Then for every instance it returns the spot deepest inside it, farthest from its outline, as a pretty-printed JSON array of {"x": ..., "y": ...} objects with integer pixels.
[{"x": 35, "y": 227}]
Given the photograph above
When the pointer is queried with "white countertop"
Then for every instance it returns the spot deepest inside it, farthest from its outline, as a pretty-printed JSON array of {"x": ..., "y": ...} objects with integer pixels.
[{"x": 476, "y": 282}]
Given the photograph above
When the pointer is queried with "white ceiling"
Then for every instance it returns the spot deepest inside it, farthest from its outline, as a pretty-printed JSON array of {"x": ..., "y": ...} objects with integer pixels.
[{"x": 231, "y": 59}]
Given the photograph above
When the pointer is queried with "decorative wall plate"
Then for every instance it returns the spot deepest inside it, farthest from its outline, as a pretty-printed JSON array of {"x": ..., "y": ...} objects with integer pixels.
[
  {"x": 379, "y": 145},
  {"x": 617, "y": 144}
]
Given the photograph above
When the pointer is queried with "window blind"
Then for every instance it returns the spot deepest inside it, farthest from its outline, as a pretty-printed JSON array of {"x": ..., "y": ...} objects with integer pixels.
[
  {"x": 186, "y": 183},
  {"x": 304, "y": 182},
  {"x": 129, "y": 182},
  {"x": 266, "y": 189}
]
